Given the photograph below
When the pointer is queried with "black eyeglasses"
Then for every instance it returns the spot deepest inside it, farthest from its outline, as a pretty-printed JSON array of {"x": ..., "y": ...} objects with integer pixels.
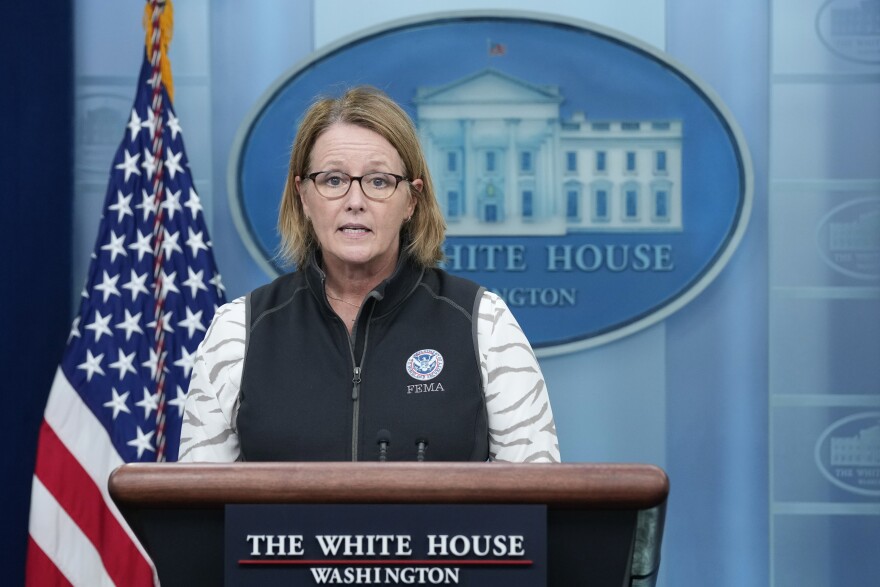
[{"x": 335, "y": 184}]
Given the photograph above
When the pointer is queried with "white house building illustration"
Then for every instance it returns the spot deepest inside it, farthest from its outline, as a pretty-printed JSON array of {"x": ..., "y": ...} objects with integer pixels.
[
  {"x": 861, "y": 450},
  {"x": 504, "y": 162}
]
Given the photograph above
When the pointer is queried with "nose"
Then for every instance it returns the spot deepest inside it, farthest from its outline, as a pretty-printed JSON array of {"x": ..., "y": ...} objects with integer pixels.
[{"x": 355, "y": 198}]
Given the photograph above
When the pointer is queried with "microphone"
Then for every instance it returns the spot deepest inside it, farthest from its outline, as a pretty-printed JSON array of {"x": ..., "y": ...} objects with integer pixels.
[
  {"x": 421, "y": 445},
  {"x": 383, "y": 438}
]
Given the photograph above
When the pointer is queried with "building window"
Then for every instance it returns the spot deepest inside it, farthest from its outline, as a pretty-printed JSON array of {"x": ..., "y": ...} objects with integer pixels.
[
  {"x": 453, "y": 204},
  {"x": 600, "y": 204},
  {"x": 631, "y": 161},
  {"x": 660, "y": 161},
  {"x": 601, "y": 161},
  {"x": 525, "y": 162},
  {"x": 571, "y": 161},
  {"x": 572, "y": 201},
  {"x": 630, "y": 201},
  {"x": 660, "y": 125},
  {"x": 528, "y": 204},
  {"x": 661, "y": 205},
  {"x": 491, "y": 214},
  {"x": 629, "y": 126},
  {"x": 452, "y": 161},
  {"x": 600, "y": 126},
  {"x": 490, "y": 160},
  {"x": 661, "y": 201}
]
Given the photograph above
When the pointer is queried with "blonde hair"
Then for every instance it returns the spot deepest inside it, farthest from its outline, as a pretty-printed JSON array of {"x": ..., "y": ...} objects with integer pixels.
[{"x": 372, "y": 109}]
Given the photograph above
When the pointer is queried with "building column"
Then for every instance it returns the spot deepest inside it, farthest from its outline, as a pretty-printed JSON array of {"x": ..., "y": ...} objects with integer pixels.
[{"x": 512, "y": 207}]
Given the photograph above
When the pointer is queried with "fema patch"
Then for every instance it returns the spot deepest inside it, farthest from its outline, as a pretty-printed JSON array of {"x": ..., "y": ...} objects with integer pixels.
[{"x": 425, "y": 364}]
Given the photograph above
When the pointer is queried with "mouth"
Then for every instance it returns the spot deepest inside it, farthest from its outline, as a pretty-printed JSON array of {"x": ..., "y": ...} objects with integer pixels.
[{"x": 354, "y": 229}]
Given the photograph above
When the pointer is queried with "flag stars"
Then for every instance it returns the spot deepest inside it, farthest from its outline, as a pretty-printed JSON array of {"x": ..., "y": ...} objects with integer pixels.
[
  {"x": 217, "y": 282},
  {"x": 172, "y": 203},
  {"x": 136, "y": 285},
  {"x": 149, "y": 403},
  {"x": 129, "y": 166},
  {"x": 108, "y": 287},
  {"x": 148, "y": 204},
  {"x": 124, "y": 364},
  {"x": 74, "y": 330},
  {"x": 195, "y": 281},
  {"x": 166, "y": 283},
  {"x": 130, "y": 325},
  {"x": 192, "y": 322},
  {"x": 186, "y": 361},
  {"x": 169, "y": 243},
  {"x": 172, "y": 162},
  {"x": 115, "y": 246},
  {"x": 164, "y": 321},
  {"x": 119, "y": 403},
  {"x": 179, "y": 401},
  {"x": 150, "y": 163},
  {"x": 153, "y": 363},
  {"x": 143, "y": 245},
  {"x": 92, "y": 365},
  {"x": 100, "y": 325},
  {"x": 134, "y": 124},
  {"x": 150, "y": 123},
  {"x": 173, "y": 125},
  {"x": 142, "y": 442},
  {"x": 194, "y": 203},
  {"x": 122, "y": 207},
  {"x": 196, "y": 241}
]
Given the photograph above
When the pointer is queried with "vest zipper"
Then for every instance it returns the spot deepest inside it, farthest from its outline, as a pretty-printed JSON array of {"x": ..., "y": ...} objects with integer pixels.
[
  {"x": 355, "y": 391},
  {"x": 356, "y": 383}
]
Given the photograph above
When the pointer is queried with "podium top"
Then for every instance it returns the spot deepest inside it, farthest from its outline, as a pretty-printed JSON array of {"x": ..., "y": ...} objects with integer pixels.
[{"x": 560, "y": 486}]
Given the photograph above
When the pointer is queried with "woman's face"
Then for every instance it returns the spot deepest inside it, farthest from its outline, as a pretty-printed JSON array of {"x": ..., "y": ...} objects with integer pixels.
[{"x": 355, "y": 232}]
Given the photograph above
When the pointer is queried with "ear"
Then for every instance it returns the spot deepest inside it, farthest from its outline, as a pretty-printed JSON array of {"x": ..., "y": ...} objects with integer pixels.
[
  {"x": 418, "y": 185},
  {"x": 298, "y": 183}
]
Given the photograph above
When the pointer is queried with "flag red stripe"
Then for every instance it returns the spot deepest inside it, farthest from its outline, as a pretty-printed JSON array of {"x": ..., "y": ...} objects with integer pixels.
[
  {"x": 40, "y": 571},
  {"x": 77, "y": 493}
]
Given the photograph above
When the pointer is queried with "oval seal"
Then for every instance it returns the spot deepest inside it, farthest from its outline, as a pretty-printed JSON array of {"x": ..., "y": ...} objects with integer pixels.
[
  {"x": 585, "y": 177},
  {"x": 848, "y": 453},
  {"x": 848, "y": 238},
  {"x": 424, "y": 364}
]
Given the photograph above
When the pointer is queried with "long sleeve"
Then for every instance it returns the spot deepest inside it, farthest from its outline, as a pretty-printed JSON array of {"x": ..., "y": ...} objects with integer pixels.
[
  {"x": 521, "y": 426},
  {"x": 208, "y": 430}
]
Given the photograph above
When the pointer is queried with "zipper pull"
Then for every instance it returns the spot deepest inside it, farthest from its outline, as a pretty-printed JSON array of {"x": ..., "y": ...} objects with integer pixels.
[{"x": 356, "y": 383}]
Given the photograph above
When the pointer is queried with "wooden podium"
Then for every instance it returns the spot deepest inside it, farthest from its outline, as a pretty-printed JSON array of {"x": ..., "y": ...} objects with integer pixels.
[{"x": 604, "y": 521}]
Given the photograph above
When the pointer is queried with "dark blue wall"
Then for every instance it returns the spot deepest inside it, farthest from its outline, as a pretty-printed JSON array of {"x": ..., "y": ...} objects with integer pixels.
[{"x": 36, "y": 175}]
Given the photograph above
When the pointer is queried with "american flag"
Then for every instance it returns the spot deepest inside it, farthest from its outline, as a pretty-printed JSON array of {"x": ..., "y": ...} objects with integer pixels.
[
  {"x": 496, "y": 49},
  {"x": 118, "y": 394}
]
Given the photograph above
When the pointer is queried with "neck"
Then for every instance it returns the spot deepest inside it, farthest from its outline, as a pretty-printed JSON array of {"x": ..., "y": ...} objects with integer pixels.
[{"x": 353, "y": 282}]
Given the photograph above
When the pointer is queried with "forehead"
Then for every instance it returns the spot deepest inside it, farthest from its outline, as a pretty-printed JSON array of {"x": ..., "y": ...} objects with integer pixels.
[{"x": 344, "y": 143}]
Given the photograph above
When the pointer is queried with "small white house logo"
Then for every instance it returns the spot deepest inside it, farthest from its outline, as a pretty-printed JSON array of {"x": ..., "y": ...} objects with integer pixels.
[
  {"x": 849, "y": 238},
  {"x": 851, "y": 29},
  {"x": 848, "y": 453},
  {"x": 424, "y": 364}
]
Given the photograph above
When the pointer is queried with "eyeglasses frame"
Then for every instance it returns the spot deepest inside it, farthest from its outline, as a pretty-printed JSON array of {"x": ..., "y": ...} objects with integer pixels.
[{"x": 399, "y": 179}]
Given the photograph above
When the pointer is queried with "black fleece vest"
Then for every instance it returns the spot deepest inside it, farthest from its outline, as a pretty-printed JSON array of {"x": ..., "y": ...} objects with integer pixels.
[{"x": 311, "y": 392}]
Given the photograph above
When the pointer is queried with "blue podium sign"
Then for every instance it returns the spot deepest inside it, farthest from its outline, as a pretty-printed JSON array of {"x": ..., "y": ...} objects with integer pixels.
[{"x": 478, "y": 545}]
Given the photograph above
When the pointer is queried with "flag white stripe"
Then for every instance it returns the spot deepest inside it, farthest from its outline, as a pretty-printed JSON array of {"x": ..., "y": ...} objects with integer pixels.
[
  {"x": 63, "y": 542},
  {"x": 88, "y": 441}
]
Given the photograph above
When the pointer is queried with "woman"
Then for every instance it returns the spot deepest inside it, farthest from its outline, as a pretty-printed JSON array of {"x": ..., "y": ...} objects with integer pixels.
[{"x": 367, "y": 348}]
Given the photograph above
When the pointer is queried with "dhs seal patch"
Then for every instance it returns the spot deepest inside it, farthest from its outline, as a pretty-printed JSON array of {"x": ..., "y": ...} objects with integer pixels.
[{"x": 424, "y": 364}]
